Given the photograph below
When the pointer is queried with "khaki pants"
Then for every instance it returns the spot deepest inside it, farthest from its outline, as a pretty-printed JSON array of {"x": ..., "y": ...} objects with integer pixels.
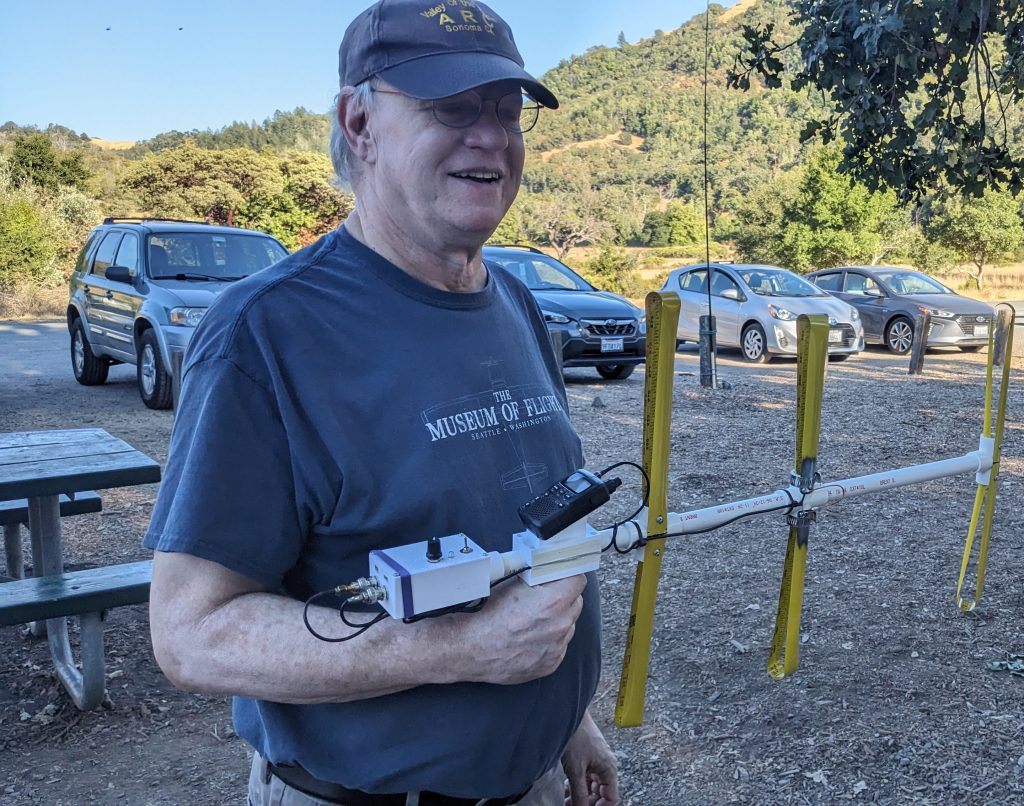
[{"x": 548, "y": 791}]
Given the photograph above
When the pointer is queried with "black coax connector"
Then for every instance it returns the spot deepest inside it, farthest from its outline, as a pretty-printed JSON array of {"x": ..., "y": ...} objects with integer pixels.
[{"x": 565, "y": 502}]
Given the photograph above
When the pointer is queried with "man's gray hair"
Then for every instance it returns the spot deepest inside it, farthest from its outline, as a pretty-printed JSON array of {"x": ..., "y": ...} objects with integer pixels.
[{"x": 341, "y": 155}]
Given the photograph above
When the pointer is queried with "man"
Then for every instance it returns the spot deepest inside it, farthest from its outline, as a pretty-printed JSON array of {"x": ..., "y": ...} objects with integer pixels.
[{"x": 373, "y": 390}]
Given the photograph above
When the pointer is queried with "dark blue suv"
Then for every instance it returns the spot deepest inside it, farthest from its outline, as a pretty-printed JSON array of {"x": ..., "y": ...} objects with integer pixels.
[{"x": 597, "y": 328}]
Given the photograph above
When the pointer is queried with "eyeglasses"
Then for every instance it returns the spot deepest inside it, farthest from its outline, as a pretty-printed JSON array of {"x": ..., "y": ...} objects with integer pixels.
[{"x": 517, "y": 112}]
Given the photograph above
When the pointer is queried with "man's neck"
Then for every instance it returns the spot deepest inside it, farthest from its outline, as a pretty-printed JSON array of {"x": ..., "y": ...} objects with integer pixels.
[{"x": 458, "y": 270}]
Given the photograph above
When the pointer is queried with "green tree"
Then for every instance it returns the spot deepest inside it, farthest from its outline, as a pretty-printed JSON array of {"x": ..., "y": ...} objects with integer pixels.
[
  {"x": 213, "y": 185},
  {"x": 35, "y": 161},
  {"x": 917, "y": 92},
  {"x": 565, "y": 220},
  {"x": 979, "y": 230},
  {"x": 290, "y": 197},
  {"x": 679, "y": 224},
  {"x": 835, "y": 220}
]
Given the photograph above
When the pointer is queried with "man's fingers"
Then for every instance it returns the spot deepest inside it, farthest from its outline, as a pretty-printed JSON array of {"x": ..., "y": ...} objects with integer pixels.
[{"x": 576, "y": 786}]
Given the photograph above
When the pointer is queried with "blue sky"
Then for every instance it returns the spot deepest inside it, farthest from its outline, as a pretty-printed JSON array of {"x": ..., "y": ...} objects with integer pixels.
[{"x": 186, "y": 64}]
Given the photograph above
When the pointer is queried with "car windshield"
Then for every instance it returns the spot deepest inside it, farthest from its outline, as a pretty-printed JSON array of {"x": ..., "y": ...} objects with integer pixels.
[
  {"x": 779, "y": 283},
  {"x": 911, "y": 282},
  {"x": 210, "y": 256},
  {"x": 540, "y": 272}
]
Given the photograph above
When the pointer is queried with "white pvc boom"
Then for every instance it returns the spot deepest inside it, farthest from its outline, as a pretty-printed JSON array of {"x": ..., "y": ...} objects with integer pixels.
[{"x": 824, "y": 494}]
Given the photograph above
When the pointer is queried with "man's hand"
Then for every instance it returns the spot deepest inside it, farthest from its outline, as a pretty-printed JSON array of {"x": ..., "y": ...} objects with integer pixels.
[
  {"x": 590, "y": 767},
  {"x": 522, "y": 633}
]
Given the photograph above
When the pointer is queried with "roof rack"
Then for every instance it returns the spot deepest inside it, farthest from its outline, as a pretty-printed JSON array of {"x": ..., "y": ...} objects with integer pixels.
[
  {"x": 516, "y": 246},
  {"x": 117, "y": 219}
]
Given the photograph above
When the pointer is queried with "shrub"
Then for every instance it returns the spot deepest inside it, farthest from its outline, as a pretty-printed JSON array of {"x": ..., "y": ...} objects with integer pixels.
[
  {"x": 614, "y": 270},
  {"x": 28, "y": 244}
]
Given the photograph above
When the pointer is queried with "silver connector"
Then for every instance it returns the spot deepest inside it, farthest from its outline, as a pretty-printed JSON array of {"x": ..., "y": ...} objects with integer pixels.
[
  {"x": 369, "y": 595},
  {"x": 359, "y": 589}
]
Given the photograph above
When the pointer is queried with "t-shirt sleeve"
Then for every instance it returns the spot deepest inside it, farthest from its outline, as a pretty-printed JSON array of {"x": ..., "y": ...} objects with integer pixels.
[{"x": 228, "y": 492}]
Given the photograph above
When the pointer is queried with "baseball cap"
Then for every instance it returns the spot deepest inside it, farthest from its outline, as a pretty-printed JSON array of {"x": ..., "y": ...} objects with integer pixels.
[{"x": 431, "y": 49}]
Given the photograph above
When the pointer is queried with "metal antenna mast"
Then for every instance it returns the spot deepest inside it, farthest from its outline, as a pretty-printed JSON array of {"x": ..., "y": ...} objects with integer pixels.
[{"x": 708, "y": 363}]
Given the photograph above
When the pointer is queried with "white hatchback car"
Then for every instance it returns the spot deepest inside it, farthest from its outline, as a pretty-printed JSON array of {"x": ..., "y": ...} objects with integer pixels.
[{"x": 756, "y": 308}]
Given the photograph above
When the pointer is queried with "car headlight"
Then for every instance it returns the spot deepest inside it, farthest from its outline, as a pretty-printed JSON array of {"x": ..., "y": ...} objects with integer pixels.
[
  {"x": 854, "y": 314},
  {"x": 556, "y": 318},
  {"x": 781, "y": 313},
  {"x": 190, "y": 317},
  {"x": 936, "y": 312},
  {"x": 643, "y": 325}
]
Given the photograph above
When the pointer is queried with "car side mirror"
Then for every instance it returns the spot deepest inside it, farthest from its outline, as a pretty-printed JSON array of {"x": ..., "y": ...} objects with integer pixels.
[
  {"x": 873, "y": 292},
  {"x": 119, "y": 274},
  {"x": 731, "y": 293}
]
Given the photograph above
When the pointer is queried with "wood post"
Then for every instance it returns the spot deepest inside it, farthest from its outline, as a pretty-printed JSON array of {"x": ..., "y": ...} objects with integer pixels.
[
  {"x": 557, "y": 343},
  {"x": 922, "y": 324}
]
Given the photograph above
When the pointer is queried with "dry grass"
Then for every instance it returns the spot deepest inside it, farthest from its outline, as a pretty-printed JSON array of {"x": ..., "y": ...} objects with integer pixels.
[
  {"x": 34, "y": 302},
  {"x": 112, "y": 145},
  {"x": 1002, "y": 282}
]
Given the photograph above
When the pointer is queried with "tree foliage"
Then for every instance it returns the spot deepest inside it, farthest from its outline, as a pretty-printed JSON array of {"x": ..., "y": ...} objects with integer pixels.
[
  {"x": 299, "y": 129},
  {"x": 917, "y": 92},
  {"x": 825, "y": 220},
  {"x": 979, "y": 230},
  {"x": 290, "y": 197},
  {"x": 35, "y": 161}
]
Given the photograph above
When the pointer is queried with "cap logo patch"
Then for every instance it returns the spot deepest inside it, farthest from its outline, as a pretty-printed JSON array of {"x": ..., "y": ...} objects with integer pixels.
[{"x": 466, "y": 9}]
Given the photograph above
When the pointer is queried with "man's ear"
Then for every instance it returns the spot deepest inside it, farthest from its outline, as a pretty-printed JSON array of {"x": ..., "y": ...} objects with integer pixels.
[{"x": 353, "y": 118}]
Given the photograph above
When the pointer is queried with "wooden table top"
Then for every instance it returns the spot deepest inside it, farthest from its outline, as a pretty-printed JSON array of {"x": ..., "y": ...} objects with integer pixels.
[{"x": 36, "y": 463}]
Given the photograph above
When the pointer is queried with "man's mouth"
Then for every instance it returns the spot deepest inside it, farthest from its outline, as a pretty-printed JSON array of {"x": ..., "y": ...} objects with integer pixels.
[{"x": 477, "y": 176}]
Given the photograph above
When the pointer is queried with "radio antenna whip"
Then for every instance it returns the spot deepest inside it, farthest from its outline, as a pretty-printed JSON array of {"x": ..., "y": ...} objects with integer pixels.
[{"x": 708, "y": 364}]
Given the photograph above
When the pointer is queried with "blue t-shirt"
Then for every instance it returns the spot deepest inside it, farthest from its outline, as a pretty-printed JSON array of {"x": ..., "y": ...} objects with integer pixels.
[{"x": 332, "y": 404}]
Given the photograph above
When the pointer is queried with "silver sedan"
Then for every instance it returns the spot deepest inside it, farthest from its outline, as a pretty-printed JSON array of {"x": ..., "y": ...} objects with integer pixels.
[{"x": 756, "y": 308}]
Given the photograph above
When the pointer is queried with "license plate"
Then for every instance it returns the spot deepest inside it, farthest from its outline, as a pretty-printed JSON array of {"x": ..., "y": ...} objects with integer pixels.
[
  {"x": 981, "y": 330},
  {"x": 835, "y": 335},
  {"x": 611, "y": 345}
]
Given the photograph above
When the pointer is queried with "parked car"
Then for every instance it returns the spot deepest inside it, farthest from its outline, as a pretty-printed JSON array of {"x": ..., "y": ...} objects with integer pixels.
[
  {"x": 756, "y": 308},
  {"x": 141, "y": 286},
  {"x": 597, "y": 328},
  {"x": 890, "y": 299}
]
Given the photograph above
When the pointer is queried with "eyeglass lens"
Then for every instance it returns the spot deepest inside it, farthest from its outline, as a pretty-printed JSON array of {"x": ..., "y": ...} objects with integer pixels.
[{"x": 516, "y": 112}]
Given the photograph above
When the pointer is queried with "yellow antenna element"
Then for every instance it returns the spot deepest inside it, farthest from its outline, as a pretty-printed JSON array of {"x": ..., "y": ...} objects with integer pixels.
[
  {"x": 662, "y": 320},
  {"x": 1000, "y": 351},
  {"x": 812, "y": 354}
]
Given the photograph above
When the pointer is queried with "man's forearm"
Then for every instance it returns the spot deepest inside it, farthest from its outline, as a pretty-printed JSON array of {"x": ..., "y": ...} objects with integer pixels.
[
  {"x": 278, "y": 659},
  {"x": 218, "y": 632}
]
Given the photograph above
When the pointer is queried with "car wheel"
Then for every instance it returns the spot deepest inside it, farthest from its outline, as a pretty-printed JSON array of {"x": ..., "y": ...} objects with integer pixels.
[
  {"x": 154, "y": 382},
  {"x": 899, "y": 335},
  {"x": 89, "y": 370},
  {"x": 972, "y": 348},
  {"x": 754, "y": 345},
  {"x": 615, "y": 372},
  {"x": 840, "y": 357}
]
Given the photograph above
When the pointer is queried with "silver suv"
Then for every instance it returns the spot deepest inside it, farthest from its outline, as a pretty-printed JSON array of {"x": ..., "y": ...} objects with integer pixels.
[{"x": 141, "y": 286}]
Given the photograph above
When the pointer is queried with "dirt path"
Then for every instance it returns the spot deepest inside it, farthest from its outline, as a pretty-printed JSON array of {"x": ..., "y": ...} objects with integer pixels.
[{"x": 893, "y": 702}]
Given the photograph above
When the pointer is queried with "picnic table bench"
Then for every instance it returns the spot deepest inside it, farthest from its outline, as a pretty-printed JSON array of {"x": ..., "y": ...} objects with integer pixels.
[{"x": 39, "y": 466}]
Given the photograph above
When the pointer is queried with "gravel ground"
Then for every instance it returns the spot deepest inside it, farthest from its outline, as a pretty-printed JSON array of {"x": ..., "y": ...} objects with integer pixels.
[{"x": 893, "y": 701}]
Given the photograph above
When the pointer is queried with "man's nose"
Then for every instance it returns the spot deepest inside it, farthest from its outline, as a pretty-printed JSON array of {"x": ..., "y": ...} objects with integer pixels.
[{"x": 487, "y": 131}]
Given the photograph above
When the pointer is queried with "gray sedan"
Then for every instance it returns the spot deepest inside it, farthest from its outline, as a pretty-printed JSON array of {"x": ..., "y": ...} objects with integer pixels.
[
  {"x": 890, "y": 299},
  {"x": 756, "y": 308}
]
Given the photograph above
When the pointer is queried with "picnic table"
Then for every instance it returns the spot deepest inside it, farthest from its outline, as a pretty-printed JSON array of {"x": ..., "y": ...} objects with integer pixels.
[{"x": 40, "y": 466}]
